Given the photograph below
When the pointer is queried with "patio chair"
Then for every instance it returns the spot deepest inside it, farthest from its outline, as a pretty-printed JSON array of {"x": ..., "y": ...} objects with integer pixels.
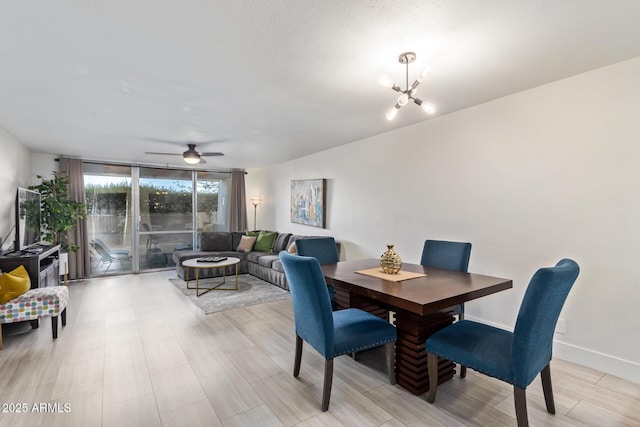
[{"x": 107, "y": 258}]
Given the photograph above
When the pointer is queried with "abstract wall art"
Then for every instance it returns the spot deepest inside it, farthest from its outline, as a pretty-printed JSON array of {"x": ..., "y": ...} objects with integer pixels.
[{"x": 308, "y": 202}]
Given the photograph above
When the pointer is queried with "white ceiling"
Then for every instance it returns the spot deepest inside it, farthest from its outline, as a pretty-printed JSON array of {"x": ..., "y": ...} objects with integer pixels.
[{"x": 273, "y": 80}]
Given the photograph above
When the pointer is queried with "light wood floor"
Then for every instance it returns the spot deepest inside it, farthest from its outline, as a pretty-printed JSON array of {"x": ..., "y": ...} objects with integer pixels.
[{"x": 135, "y": 351}]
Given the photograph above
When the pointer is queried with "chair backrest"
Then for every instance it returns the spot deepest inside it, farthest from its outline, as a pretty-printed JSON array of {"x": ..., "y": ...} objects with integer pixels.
[
  {"x": 103, "y": 244},
  {"x": 446, "y": 255},
  {"x": 311, "y": 304},
  {"x": 102, "y": 251},
  {"x": 324, "y": 249},
  {"x": 537, "y": 318}
]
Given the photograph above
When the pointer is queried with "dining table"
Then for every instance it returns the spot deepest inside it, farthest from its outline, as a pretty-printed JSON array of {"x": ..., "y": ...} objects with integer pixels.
[{"x": 419, "y": 300}]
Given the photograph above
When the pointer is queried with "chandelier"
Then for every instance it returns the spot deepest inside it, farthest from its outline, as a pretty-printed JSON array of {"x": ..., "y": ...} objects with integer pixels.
[{"x": 408, "y": 94}]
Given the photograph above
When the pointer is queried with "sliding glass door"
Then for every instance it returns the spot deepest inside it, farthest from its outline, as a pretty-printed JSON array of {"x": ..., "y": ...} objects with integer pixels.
[
  {"x": 212, "y": 189},
  {"x": 139, "y": 216},
  {"x": 166, "y": 216},
  {"x": 110, "y": 218}
]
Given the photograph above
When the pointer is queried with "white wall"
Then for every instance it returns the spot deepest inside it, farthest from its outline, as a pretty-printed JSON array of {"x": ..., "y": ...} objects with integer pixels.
[
  {"x": 44, "y": 165},
  {"x": 15, "y": 164},
  {"x": 531, "y": 178}
]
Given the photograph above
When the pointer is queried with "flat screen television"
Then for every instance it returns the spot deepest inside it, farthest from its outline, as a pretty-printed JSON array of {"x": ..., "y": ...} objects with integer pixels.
[{"x": 27, "y": 219}]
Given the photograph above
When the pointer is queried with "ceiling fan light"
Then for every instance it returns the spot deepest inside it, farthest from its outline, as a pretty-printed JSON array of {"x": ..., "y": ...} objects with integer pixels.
[{"x": 191, "y": 158}]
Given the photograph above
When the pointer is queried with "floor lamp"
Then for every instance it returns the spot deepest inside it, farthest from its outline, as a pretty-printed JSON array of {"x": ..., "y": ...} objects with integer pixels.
[{"x": 255, "y": 201}]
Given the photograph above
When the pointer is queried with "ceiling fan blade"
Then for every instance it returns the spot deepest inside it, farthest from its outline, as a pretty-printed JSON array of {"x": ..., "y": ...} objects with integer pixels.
[
  {"x": 213, "y": 154},
  {"x": 185, "y": 141},
  {"x": 202, "y": 161},
  {"x": 163, "y": 154}
]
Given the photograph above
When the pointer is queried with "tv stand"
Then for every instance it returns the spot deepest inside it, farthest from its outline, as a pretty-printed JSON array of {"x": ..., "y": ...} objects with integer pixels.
[{"x": 43, "y": 266}]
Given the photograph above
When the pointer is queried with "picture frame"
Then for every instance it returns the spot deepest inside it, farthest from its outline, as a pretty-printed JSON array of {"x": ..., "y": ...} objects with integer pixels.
[{"x": 308, "y": 202}]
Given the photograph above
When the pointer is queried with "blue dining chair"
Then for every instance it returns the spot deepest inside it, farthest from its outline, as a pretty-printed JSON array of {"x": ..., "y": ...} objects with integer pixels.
[
  {"x": 514, "y": 357},
  {"x": 448, "y": 256},
  {"x": 325, "y": 250},
  {"x": 330, "y": 333}
]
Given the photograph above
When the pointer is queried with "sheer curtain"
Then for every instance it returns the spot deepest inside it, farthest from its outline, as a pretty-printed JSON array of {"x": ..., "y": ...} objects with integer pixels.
[
  {"x": 79, "y": 262},
  {"x": 238, "y": 203}
]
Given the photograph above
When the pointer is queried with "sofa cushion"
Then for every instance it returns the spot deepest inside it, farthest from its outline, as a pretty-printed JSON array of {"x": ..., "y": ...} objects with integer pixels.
[
  {"x": 277, "y": 266},
  {"x": 254, "y": 256},
  {"x": 282, "y": 242},
  {"x": 216, "y": 241},
  {"x": 265, "y": 240},
  {"x": 267, "y": 260},
  {"x": 235, "y": 238},
  {"x": 246, "y": 243}
]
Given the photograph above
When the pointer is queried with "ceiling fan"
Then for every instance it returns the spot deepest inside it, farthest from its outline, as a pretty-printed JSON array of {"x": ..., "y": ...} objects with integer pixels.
[{"x": 191, "y": 156}]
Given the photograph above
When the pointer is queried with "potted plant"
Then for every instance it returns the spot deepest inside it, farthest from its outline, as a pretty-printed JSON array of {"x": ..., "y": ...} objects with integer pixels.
[{"x": 58, "y": 212}]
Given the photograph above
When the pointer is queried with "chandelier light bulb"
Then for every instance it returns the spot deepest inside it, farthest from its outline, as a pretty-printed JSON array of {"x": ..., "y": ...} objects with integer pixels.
[
  {"x": 424, "y": 74},
  {"x": 385, "y": 81},
  {"x": 391, "y": 114},
  {"x": 403, "y": 99},
  {"x": 429, "y": 108}
]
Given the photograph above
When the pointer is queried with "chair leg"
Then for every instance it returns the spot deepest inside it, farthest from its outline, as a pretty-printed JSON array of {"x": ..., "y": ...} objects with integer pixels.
[
  {"x": 463, "y": 369},
  {"x": 545, "y": 376},
  {"x": 64, "y": 317},
  {"x": 328, "y": 379},
  {"x": 520, "y": 397},
  {"x": 298, "y": 357},
  {"x": 35, "y": 323},
  {"x": 432, "y": 367},
  {"x": 391, "y": 362},
  {"x": 54, "y": 326}
]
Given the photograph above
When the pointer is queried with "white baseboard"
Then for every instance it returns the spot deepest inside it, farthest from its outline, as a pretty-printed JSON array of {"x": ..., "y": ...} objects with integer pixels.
[
  {"x": 607, "y": 363},
  {"x": 622, "y": 368}
]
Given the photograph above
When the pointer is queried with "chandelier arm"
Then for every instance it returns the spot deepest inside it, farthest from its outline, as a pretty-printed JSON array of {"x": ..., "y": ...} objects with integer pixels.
[
  {"x": 409, "y": 91},
  {"x": 407, "y": 77}
]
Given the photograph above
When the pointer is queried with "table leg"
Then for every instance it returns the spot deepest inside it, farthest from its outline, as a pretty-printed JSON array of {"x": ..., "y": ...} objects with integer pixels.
[
  {"x": 217, "y": 286},
  {"x": 224, "y": 280},
  {"x": 411, "y": 357},
  {"x": 413, "y": 330}
]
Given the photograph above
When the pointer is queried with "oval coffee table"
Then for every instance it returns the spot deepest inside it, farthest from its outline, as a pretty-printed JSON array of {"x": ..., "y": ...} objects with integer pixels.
[{"x": 194, "y": 263}]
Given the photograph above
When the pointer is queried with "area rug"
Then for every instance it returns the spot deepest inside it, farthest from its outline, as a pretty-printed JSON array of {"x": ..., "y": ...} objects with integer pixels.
[{"x": 251, "y": 291}]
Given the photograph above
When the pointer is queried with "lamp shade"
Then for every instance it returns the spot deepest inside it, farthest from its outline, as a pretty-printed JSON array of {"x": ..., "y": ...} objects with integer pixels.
[{"x": 256, "y": 200}]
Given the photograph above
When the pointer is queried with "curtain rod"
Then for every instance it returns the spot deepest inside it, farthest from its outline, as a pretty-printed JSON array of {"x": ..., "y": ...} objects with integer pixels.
[{"x": 149, "y": 165}]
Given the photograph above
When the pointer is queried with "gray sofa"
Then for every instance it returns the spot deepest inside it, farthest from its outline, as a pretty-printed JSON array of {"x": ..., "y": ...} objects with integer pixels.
[{"x": 264, "y": 265}]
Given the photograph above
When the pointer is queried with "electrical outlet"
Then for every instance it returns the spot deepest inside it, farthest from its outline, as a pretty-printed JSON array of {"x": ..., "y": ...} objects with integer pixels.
[{"x": 561, "y": 327}]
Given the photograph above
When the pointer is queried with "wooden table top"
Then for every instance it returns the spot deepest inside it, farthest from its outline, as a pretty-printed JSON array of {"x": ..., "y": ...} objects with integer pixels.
[{"x": 438, "y": 290}]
